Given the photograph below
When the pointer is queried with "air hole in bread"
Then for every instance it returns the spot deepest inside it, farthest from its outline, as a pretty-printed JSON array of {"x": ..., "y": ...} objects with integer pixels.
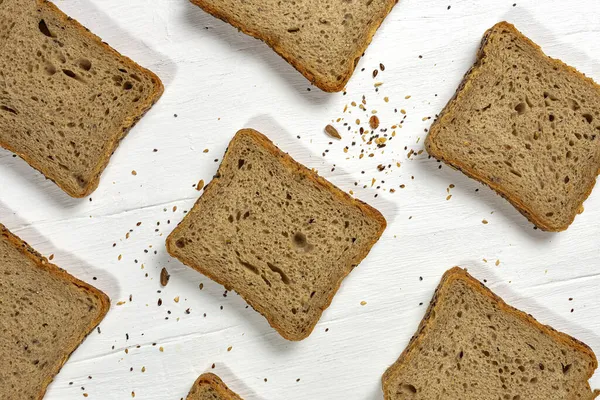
[
  {"x": 180, "y": 243},
  {"x": 50, "y": 69},
  {"x": 589, "y": 118},
  {"x": 521, "y": 108},
  {"x": 44, "y": 29},
  {"x": 249, "y": 267},
  {"x": 409, "y": 388},
  {"x": 293, "y": 30},
  {"x": 8, "y": 109},
  {"x": 277, "y": 270},
  {"x": 85, "y": 64},
  {"x": 127, "y": 85},
  {"x": 240, "y": 163}
]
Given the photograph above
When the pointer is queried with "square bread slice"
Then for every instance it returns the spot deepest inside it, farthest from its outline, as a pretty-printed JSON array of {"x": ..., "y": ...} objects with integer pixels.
[
  {"x": 211, "y": 387},
  {"x": 45, "y": 314},
  {"x": 322, "y": 39},
  {"x": 275, "y": 232},
  {"x": 471, "y": 345},
  {"x": 526, "y": 125},
  {"x": 66, "y": 98}
]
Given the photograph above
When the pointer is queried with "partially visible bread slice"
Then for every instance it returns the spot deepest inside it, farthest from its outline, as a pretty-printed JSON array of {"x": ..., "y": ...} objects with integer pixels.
[
  {"x": 211, "y": 387},
  {"x": 471, "y": 345},
  {"x": 45, "y": 314},
  {"x": 526, "y": 125},
  {"x": 276, "y": 233},
  {"x": 322, "y": 39},
  {"x": 66, "y": 98}
]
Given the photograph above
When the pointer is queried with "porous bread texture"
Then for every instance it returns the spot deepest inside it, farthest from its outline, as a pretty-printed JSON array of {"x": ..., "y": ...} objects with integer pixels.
[
  {"x": 45, "y": 314},
  {"x": 276, "y": 233},
  {"x": 526, "y": 125},
  {"x": 473, "y": 346},
  {"x": 322, "y": 39},
  {"x": 211, "y": 387},
  {"x": 66, "y": 98}
]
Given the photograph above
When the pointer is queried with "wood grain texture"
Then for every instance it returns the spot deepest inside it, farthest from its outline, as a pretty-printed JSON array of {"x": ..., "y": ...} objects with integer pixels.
[{"x": 218, "y": 81}]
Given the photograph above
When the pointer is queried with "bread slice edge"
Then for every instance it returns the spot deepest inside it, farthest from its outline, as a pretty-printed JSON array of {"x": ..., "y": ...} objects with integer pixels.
[
  {"x": 446, "y": 113},
  {"x": 457, "y": 273},
  {"x": 293, "y": 164},
  {"x": 297, "y": 64},
  {"x": 42, "y": 263}
]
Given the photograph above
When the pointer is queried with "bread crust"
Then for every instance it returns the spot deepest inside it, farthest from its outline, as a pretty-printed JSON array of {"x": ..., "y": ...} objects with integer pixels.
[
  {"x": 446, "y": 114},
  {"x": 128, "y": 123},
  {"x": 273, "y": 43},
  {"x": 216, "y": 383},
  {"x": 457, "y": 273},
  {"x": 43, "y": 264},
  {"x": 292, "y": 164}
]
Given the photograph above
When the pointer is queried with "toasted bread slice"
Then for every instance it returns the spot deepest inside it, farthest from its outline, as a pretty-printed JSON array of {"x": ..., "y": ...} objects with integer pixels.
[
  {"x": 526, "y": 125},
  {"x": 45, "y": 314},
  {"x": 276, "y": 233},
  {"x": 211, "y": 387},
  {"x": 322, "y": 39},
  {"x": 471, "y": 345},
  {"x": 67, "y": 98}
]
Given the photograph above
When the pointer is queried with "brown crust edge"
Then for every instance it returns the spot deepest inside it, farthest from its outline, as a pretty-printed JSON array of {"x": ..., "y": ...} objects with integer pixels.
[
  {"x": 342, "y": 196},
  {"x": 216, "y": 383},
  {"x": 128, "y": 123},
  {"x": 43, "y": 263},
  {"x": 446, "y": 113},
  {"x": 274, "y": 44},
  {"x": 459, "y": 273}
]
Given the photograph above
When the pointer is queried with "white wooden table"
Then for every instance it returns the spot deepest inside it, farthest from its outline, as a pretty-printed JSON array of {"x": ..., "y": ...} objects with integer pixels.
[{"x": 217, "y": 81}]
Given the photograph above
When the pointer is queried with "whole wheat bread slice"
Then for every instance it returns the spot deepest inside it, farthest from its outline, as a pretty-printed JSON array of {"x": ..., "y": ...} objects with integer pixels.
[
  {"x": 322, "y": 39},
  {"x": 45, "y": 314},
  {"x": 526, "y": 125},
  {"x": 471, "y": 345},
  {"x": 276, "y": 233},
  {"x": 66, "y": 98},
  {"x": 211, "y": 387}
]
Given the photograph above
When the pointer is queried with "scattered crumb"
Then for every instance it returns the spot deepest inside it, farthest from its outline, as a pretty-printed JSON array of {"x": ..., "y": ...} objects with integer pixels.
[
  {"x": 200, "y": 185},
  {"x": 363, "y": 303},
  {"x": 485, "y": 222},
  {"x": 331, "y": 131},
  {"x": 164, "y": 277}
]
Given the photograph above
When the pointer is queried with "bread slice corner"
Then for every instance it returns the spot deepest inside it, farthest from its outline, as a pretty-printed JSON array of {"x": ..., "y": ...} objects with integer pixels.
[
  {"x": 526, "y": 125},
  {"x": 276, "y": 233},
  {"x": 472, "y": 345},
  {"x": 210, "y": 387}
]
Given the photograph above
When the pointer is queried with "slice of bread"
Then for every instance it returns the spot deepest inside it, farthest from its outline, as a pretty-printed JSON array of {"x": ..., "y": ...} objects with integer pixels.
[
  {"x": 526, "y": 125},
  {"x": 211, "y": 387},
  {"x": 45, "y": 314},
  {"x": 322, "y": 39},
  {"x": 471, "y": 345},
  {"x": 276, "y": 233},
  {"x": 66, "y": 98}
]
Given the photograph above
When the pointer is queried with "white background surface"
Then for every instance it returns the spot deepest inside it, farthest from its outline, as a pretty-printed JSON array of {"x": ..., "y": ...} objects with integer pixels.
[{"x": 218, "y": 81}]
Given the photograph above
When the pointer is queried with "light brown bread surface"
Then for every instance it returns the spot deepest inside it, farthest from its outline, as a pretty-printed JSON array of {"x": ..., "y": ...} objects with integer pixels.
[
  {"x": 526, "y": 125},
  {"x": 473, "y": 346},
  {"x": 45, "y": 314},
  {"x": 211, "y": 387},
  {"x": 66, "y": 98},
  {"x": 322, "y": 39},
  {"x": 276, "y": 233}
]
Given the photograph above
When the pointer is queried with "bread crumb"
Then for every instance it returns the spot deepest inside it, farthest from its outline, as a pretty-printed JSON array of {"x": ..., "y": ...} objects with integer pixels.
[
  {"x": 164, "y": 277},
  {"x": 133, "y": 172},
  {"x": 51, "y": 257},
  {"x": 374, "y": 122},
  {"x": 449, "y": 197},
  {"x": 484, "y": 222},
  {"x": 161, "y": 349},
  {"x": 363, "y": 303},
  {"x": 205, "y": 151},
  {"x": 200, "y": 185},
  {"x": 229, "y": 348},
  {"x": 331, "y": 131},
  {"x": 497, "y": 262},
  {"x": 120, "y": 303},
  {"x": 176, "y": 299}
]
